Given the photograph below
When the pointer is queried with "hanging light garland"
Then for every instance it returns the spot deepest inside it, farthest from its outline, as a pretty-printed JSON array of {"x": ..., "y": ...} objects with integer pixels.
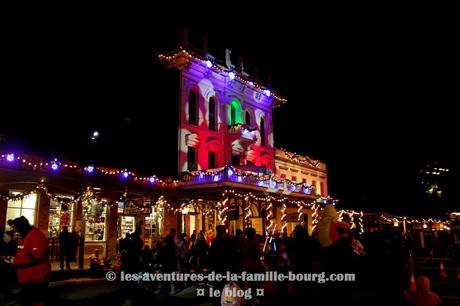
[{"x": 182, "y": 55}]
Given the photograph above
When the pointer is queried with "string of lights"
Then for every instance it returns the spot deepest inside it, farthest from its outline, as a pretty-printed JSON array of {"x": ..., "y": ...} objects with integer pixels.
[{"x": 184, "y": 57}]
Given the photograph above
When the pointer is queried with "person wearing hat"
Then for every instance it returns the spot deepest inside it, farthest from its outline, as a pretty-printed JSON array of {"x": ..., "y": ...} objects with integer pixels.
[{"x": 32, "y": 262}]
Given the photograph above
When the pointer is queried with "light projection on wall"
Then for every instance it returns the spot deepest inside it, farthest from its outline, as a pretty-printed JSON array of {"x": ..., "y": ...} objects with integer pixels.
[{"x": 234, "y": 116}]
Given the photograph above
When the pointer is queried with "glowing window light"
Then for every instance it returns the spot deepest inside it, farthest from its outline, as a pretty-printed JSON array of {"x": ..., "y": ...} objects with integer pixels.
[
  {"x": 10, "y": 157},
  {"x": 231, "y": 75},
  {"x": 208, "y": 64},
  {"x": 90, "y": 169},
  {"x": 260, "y": 183},
  {"x": 239, "y": 178},
  {"x": 216, "y": 178},
  {"x": 201, "y": 175}
]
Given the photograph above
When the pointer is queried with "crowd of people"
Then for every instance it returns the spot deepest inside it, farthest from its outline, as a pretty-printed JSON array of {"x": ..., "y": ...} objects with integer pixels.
[{"x": 378, "y": 258}]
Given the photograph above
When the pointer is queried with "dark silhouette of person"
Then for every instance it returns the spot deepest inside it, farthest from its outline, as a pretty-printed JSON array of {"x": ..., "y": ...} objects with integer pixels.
[{"x": 65, "y": 248}]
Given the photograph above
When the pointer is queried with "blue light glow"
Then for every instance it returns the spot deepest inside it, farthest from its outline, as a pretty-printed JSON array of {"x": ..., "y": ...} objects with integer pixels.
[
  {"x": 10, "y": 157},
  {"x": 125, "y": 174},
  {"x": 240, "y": 178},
  {"x": 229, "y": 172},
  {"x": 231, "y": 75},
  {"x": 152, "y": 179},
  {"x": 260, "y": 183},
  {"x": 216, "y": 178},
  {"x": 267, "y": 92},
  {"x": 208, "y": 64},
  {"x": 90, "y": 169},
  {"x": 54, "y": 166}
]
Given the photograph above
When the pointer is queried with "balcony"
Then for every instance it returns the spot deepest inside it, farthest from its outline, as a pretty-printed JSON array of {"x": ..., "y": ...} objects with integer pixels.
[{"x": 234, "y": 177}]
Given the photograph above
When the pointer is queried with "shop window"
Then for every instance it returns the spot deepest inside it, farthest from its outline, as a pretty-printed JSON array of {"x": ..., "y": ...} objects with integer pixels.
[
  {"x": 294, "y": 179},
  {"x": 26, "y": 206},
  {"x": 96, "y": 222},
  {"x": 60, "y": 215}
]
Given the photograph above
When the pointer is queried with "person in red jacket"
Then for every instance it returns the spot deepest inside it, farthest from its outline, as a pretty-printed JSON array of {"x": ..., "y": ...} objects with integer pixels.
[{"x": 32, "y": 262}]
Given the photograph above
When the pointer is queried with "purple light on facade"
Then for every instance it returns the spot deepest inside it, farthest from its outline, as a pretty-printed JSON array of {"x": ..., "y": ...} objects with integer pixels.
[
  {"x": 239, "y": 178},
  {"x": 251, "y": 83},
  {"x": 216, "y": 178},
  {"x": 260, "y": 183},
  {"x": 90, "y": 169},
  {"x": 229, "y": 172},
  {"x": 54, "y": 166},
  {"x": 208, "y": 64},
  {"x": 152, "y": 179},
  {"x": 231, "y": 75},
  {"x": 10, "y": 157},
  {"x": 292, "y": 187},
  {"x": 201, "y": 175}
]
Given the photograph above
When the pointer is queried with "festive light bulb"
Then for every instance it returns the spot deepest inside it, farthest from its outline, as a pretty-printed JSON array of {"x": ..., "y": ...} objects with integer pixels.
[
  {"x": 231, "y": 75},
  {"x": 267, "y": 92},
  {"x": 54, "y": 166},
  {"x": 90, "y": 169},
  {"x": 10, "y": 157},
  {"x": 229, "y": 172},
  {"x": 152, "y": 179},
  {"x": 216, "y": 178},
  {"x": 125, "y": 174},
  {"x": 208, "y": 64}
]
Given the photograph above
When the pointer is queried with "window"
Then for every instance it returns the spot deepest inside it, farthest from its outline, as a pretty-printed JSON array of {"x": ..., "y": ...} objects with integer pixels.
[
  {"x": 191, "y": 159},
  {"x": 283, "y": 175},
  {"x": 247, "y": 119},
  {"x": 212, "y": 114},
  {"x": 95, "y": 227},
  {"x": 211, "y": 160},
  {"x": 60, "y": 215},
  {"x": 235, "y": 160},
  {"x": 321, "y": 186},
  {"x": 294, "y": 179},
  {"x": 313, "y": 183},
  {"x": 192, "y": 108},
  {"x": 304, "y": 181},
  {"x": 262, "y": 132},
  {"x": 235, "y": 113},
  {"x": 26, "y": 207}
]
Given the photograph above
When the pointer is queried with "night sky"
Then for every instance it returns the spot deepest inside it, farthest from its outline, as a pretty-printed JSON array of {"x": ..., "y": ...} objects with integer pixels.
[{"x": 373, "y": 98}]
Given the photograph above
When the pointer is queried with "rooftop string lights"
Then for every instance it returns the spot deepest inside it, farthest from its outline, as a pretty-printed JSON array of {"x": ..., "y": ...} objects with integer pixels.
[
  {"x": 53, "y": 165},
  {"x": 183, "y": 57}
]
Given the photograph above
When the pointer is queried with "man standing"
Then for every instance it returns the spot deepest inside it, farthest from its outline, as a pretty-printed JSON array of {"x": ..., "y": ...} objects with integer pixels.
[
  {"x": 65, "y": 248},
  {"x": 32, "y": 262}
]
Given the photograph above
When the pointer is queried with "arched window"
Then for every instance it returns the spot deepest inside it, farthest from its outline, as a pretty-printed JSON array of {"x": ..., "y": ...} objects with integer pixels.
[
  {"x": 247, "y": 119},
  {"x": 262, "y": 131},
  {"x": 212, "y": 114},
  {"x": 192, "y": 108},
  {"x": 235, "y": 113}
]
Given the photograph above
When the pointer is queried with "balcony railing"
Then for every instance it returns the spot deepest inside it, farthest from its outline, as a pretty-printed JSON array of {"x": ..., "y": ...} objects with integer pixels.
[{"x": 233, "y": 175}]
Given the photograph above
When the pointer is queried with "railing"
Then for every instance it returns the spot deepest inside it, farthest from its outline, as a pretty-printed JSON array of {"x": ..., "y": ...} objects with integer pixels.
[{"x": 230, "y": 174}]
